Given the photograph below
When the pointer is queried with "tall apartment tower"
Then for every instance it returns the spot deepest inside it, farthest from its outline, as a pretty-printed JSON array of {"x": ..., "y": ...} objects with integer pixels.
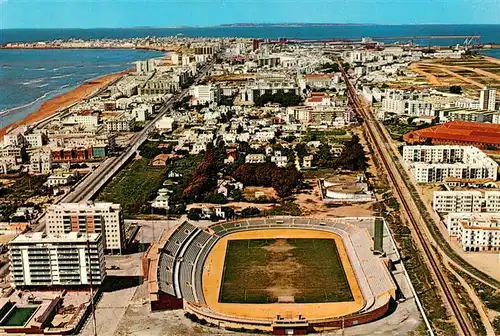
[
  {"x": 487, "y": 99},
  {"x": 104, "y": 218},
  {"x": 72, "y": 259}
]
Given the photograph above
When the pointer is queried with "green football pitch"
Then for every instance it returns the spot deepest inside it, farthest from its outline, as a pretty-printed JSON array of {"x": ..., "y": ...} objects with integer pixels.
[{"x": 283, "y": 270}]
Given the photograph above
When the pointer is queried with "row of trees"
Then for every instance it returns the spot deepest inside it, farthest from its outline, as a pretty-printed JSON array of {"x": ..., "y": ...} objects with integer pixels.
[
  {"x": 204, "y": 178},
  {"x": 283, "y": 180},
  {"x": 352, "y": 157},
  {"x": 284, "y": 99}
]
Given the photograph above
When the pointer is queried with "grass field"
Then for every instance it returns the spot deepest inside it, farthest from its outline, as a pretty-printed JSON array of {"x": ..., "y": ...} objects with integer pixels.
[
  {"x": 283, "y": 270},
  {"x": 133, "y": 185}
]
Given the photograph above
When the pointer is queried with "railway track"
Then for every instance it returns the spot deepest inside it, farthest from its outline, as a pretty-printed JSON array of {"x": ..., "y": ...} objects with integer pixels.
[{"x": 381, "y": 144}]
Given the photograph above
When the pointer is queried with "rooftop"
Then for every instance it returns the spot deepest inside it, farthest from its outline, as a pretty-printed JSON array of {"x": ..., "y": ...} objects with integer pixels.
[
  {"x": 461, "y": 131},
  {"x": 34, "y": 237}
]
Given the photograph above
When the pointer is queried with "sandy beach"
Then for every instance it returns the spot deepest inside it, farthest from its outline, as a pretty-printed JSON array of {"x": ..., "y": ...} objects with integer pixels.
[{"x": 52, "y": 106}]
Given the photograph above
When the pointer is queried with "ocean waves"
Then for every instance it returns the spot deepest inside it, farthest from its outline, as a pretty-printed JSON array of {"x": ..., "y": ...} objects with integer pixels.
[
  {"x": 37, "y": 100},
  {"x": 61, "y": 76}
]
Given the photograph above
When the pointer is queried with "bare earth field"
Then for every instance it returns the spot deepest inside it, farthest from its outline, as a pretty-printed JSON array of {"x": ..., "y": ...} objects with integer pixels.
[{"x": 470, "y": 73}]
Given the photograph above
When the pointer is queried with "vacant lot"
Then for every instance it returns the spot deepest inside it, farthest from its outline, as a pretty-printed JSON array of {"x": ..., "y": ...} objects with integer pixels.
[
  {"x": 133, "y": 185},
  {"x": 283, "y": 270}
]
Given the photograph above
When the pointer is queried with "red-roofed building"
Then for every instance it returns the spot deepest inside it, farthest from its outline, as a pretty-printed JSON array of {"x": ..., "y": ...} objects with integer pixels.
[
  {"x": 318, "y": 99},
  {"x": 321, "y": 80},
  {"x": 457, "y": 133}
]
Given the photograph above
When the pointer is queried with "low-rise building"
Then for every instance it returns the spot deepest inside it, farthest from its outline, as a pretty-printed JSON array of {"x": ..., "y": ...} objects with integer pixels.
[
  {"x": 72, "y": 259},
  {"x": 475, "y": 231},
  {"x": 279, "y": 159},
  {"x": 492, "y": 201},
  {"x": 430, "y": 164},
  {"x": 120, "y": 123},
  {"x": 457, "y": 201},
  {"x": 40, "y": 162},
  {"x": 61, "y": 178},
  {"x": 255, "y": 158}
]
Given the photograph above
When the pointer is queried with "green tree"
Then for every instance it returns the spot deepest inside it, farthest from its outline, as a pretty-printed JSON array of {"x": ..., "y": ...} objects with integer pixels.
[
  {"x": 250, "y": 212},
  {"x": 301, "y": 150},
  {"x": 456, "y": 89}
]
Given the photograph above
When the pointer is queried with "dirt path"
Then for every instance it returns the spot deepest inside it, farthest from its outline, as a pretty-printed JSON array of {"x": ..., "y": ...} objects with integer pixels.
[
  {"x": 477, "y": 302},
  {"x": 433, "y": 80}
]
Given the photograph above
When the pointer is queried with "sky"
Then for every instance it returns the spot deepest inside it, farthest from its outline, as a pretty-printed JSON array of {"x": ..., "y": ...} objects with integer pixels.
[{"x": 174, "y": 13}]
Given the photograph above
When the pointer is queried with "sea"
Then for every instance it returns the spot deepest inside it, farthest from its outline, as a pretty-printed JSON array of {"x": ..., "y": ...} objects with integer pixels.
[{"x": 30, "y": 77}]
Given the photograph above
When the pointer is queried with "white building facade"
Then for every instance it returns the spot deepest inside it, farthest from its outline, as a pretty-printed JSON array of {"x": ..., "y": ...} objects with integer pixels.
[
  {"x": 72, "y": 259},
  {"x": 104, "y": 218},
  {"x": 431, "y": 164},
  {"x": 475, "y": 231},
  {"x": 457, "y": 201}
]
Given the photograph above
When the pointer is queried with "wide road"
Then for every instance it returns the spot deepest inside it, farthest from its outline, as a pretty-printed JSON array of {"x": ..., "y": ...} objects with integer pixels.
[
  {"x": 381, "y": 146},
  {"x": 94, "y": 181}
]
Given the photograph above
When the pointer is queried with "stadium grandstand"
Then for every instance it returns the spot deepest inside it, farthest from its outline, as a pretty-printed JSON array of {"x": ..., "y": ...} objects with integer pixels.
[
  {"x": 177, "y": 267},
  {"x": 481, "y": 135}
]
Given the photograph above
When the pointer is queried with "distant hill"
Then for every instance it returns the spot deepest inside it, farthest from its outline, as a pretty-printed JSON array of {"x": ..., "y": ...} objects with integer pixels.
[{"x": 292, "y": 24}]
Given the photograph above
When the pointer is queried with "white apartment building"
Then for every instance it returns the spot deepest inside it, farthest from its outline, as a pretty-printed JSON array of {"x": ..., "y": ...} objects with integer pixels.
[
  {"x": 58, "y": 179},
  {"x": 41, "y": 260},
  {"x": 466, "y": 201},
  {"x": 34, "y": 140},
  {"x": 88, "y": 119},
  {"x": 431, "y": 164},
  {"x": 475, "y": 231},
  {"x": 279, "y": 160},
  {"x": 165, "y": 124},
  {"x": 121, "y": 123},
  {"x": 457, "y": 201},
  {"x": 203, "y": 94},
  {"x": 270, "y": 85},
  {"x": 104, "y": 218},
  {"x": 263, "y": 136},
  {"x": 487, "y": 99},
  {"x": 40, "y": 162},
  {"x": 407, "y": 103},
  {"x": 492, "y": 200}
]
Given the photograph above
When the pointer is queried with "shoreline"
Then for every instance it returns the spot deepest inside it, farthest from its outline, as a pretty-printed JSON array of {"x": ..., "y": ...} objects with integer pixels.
[
  {"x": 55, "y": 47},
  {"x": 54, "y": 105}
]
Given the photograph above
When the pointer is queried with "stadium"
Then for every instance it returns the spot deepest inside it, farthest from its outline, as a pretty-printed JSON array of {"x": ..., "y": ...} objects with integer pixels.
[{"x": 290, "y": 275}]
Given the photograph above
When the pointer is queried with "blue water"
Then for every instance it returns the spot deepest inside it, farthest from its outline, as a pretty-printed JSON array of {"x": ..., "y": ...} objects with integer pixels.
[
  {"x": 30, "y": 77},
  {"x": 489, "y": 33}
]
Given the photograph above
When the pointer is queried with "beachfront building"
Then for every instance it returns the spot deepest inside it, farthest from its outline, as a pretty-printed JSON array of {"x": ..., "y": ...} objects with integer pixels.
[
  {"x": 475, "y": 231},
  {"x": 73, "y": 259},
  {"x": 104, "y": 218},
  {"x": 431, "y": 164},
  {"x": 83, "y": 118}
]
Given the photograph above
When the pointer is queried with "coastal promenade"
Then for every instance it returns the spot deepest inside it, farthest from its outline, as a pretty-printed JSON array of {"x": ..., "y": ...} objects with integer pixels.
[{"x": 55, "y": 105}]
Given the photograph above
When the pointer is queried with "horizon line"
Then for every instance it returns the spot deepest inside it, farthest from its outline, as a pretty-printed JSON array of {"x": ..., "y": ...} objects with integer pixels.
[{"x": 249, "y": 24}]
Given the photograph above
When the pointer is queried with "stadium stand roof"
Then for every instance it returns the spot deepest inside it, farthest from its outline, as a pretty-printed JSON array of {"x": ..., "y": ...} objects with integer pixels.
[{"x": 457, "y": 132}]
